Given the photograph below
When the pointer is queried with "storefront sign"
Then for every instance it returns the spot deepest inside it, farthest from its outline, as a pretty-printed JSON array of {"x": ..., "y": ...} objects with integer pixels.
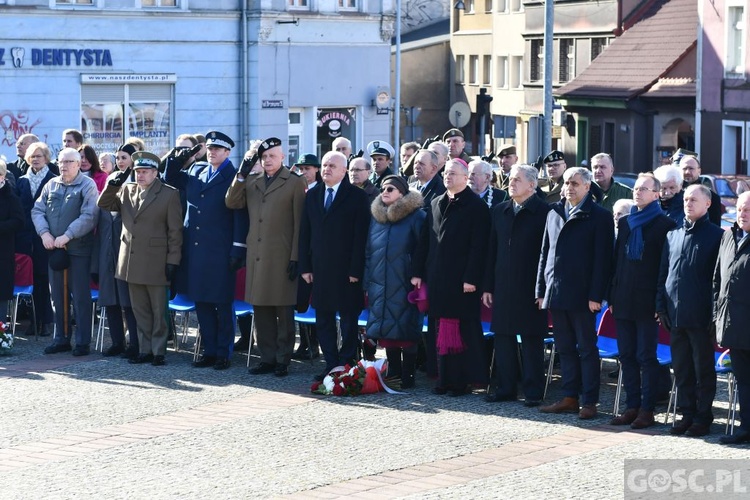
[
  {"x": 130, "y": 78},
  {"x": 56, "y": 57}
]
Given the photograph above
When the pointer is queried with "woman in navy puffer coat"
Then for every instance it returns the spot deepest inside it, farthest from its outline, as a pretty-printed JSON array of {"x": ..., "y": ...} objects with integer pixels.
[{"x": 396, "y": 324}]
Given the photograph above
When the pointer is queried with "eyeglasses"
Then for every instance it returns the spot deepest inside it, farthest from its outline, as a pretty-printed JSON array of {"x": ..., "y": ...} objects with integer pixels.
[
  {"x": 67, "y": 162},
  {"x": 642, "y": 189},
  {"x": 387, "y": 189}
]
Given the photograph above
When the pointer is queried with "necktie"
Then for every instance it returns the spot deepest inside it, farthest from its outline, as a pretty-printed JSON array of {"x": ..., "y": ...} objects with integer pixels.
[{"x": 329, "y": 199}]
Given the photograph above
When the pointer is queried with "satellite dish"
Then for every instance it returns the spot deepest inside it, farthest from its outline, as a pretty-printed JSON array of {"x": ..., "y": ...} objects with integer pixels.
[{"x": 459, "y": 114}]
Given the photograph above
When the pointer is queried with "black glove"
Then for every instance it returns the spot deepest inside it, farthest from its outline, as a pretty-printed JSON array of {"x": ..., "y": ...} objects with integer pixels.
[
  {"x": 429, "y": 141},
  {"x": 539, "y": 164},
  {"x": 235, "y": 263},
  {"x": 352, "y": 156},
  {"x": 120, "y": 178},
  {"x": 179, "y": 156},
  {"x": 248, "y": 164},
  {"x": 664, "y": 320},
  {"x": 291, "y": 270},
  {"x": 489, "y": 158},
  {"x": 169, "y": 271},
  {"x": 95, "y": 278}
]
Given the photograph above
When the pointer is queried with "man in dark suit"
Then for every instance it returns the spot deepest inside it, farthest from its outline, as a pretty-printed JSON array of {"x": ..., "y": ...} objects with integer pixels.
[
  {"x": 214, "y": 247},
  {"x": 684, "y": 304},
  {"x": 151, "y": 248},
  {"x": 480, "y": 181},
  {"x": 428, "y": 182},
  {"x": 516, "y": 235},
  {"x": 574, "y": 270},
  {"x": 691, "y": 174},
  {"x": 732, "y": 312},
  {"x": 20, "y": 166},
  {"x": 632, "y": 300},
  {"x": 333, "y": 235}
]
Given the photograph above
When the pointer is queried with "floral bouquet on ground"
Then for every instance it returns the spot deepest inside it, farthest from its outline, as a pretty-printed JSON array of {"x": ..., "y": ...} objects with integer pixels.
[
  {"x": 6, "y": 339},
  {"x": 366, "y": 377}
]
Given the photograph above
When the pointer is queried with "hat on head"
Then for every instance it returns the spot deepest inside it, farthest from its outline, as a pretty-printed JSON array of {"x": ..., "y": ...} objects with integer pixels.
[
  {"x": 380, "y": 148},
  {"x": 128, "y": 148},
  {"x": 506, "y": 150},
  {"x": 307, "y": 159},
  {"x": 144, "y": 159},
  {"x": 59, "y": 259},
  {"x": 215, "y": 138},
  {"x": 269, "y": 143},
  {"x": 454, "y": 132},
  {"x": 554, "y": 156},
  {"x": 398, "y": 182}
]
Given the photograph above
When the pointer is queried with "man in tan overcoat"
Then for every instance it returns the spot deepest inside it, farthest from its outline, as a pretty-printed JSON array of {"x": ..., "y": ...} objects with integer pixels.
[
  {"x": 274, "y": 199},
  {"x": 151, "y": 248}
]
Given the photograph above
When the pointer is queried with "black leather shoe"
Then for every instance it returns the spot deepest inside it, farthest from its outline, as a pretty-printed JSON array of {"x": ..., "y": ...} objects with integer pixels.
[
  {"x": 222, "y": 364},
  {"x": 114, "y": 350},
  {"x": 141, "y": 358},
  {"x": 159, "y": 360},
  {"x": 439, "y": 390},
  {"x": 204, "y": 362},
  {"x": 497, "y": 398},
  {"x": 129, "y": 353},
  {"x": 681, "y": 427},
  {"x": 81, "y": 351},
  {"x": 456, "y": 392},
  {"x": 242, "y": 345},
  {"x": 55, "y": 348},
  {"x": 698, "y": 430},
  {"x": 531, "y": 403},
  {"x": 262, "y": 369},
  {"x": 739, "y": 437},
  {"x": 281, "y": 370}
]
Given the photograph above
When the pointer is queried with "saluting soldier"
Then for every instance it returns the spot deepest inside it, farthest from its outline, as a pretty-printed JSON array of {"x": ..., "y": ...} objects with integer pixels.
[{"x": 214, "y": 247}]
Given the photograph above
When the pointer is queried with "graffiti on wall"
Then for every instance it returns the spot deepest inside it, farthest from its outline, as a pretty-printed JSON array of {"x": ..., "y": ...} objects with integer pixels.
[
  {"x": 14, "y": 125},
  {"x": 419, "y": 13}
]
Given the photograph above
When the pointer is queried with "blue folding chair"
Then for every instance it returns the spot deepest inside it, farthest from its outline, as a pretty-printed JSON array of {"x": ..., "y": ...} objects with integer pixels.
[
  {"x": 183, "y": 305},
  {"x": 606, "y": 342},
  {"x": 723, "y": 366},
  {"x": 306, "y": 318}
]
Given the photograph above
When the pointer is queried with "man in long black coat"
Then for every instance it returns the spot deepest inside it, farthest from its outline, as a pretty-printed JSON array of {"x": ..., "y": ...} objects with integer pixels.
[
  {"x": 333, "y": 235},
  {"x": 451, "y": 259},
  {"x": 512, "y": 260},
  {"x": 732, "y": 310},
  {"x": 574, "y": 270},
  {"x": 640, "y": 240}
]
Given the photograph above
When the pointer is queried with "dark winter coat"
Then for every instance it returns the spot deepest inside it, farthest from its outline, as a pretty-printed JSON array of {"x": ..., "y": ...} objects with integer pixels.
[
  {"x": 686, "y": 274},
  {"x": 453, "y": 251},
  {"x": 576, "y": 257},
  {"x": 11, "y": 221},
  {"x": 394, "y": 234},
  {"x": 634, "y": 282},
  {"x": 731, "y": 297},
  {"x": 512, "y": 260},
  {"x": 28, "y": 242},
  {"x": 332, "y": 246}
]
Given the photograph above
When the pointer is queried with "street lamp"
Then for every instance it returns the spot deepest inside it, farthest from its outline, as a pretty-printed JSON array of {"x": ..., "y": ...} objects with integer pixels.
[{"x": 459, "y": 5}]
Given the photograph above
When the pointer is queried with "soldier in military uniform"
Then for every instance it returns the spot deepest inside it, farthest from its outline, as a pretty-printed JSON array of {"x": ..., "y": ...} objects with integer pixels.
[
  {"x": 454, "y": 139},
  {"x": 507, "y": 158},
  {"x": 555, "y": 165}
]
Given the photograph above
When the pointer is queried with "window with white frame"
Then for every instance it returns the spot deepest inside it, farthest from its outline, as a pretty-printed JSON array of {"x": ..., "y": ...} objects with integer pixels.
[
  {"x": 502, "y": 72},
  {"x": 486, "y": 70},
  {"x": 597, "y": 46},
  {"x": 517, "y": 72},
  {"x": 299, "y": 4},
  {"x": 469, "y": 7},
  {"x": 734, "y": 65},
  {"x": 502, "y": 5},
  {"x": 473, "y": 70},
  {"x": 460, "y": 75},
  {"x": 159, "y": 3},
  {"x": 74, "y": 2},
  {"x": 536, "y": 64},
  {"x": 567, "y": 67},
  {"x": 488, "y": 5},
  {"x": 348, "y": 5},
  {"x": 516, "y": 5}
]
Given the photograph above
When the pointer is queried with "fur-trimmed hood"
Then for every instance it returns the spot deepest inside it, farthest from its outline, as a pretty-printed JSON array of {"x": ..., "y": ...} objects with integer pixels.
[{"x": 402, "y": 208}]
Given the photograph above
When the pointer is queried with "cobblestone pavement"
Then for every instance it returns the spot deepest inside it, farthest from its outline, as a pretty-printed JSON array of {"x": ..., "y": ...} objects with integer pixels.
[{"x": 97, "y": 427}]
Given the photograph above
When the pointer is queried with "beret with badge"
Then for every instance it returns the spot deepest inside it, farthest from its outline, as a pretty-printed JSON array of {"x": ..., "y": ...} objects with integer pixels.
[
  {"x": 454, "y": 132},
  {"x": 507, "y": 150},
  {"x": 269, "y": 143},
  {"x": 554, "y": 156},
  {"x": 144, "y": 159}
]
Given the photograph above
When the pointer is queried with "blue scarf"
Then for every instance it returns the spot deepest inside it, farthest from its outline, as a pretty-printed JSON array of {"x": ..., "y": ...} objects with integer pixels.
[{"x": 636, "y": 220}]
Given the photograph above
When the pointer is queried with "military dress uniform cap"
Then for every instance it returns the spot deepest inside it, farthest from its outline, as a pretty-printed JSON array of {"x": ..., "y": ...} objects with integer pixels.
[
  {"x": 554, "y": 156},
  {"x": 380, "y": 148},
  {"x": 215, "y": 138},
  {"x": 506, "y": 150},
  {"x": 269, "y": 143},
  {"x": 144, "y": 159},
  {"x": 308, "y": 159},
  {"x": 681, "y": 152},
  {"x": 454, "y": 132}
]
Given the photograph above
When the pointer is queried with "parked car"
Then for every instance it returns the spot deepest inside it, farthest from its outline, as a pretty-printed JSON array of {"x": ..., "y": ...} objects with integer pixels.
[
  {"x": 728, "y": 187},
  {"x": 627, "y": 178}
]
